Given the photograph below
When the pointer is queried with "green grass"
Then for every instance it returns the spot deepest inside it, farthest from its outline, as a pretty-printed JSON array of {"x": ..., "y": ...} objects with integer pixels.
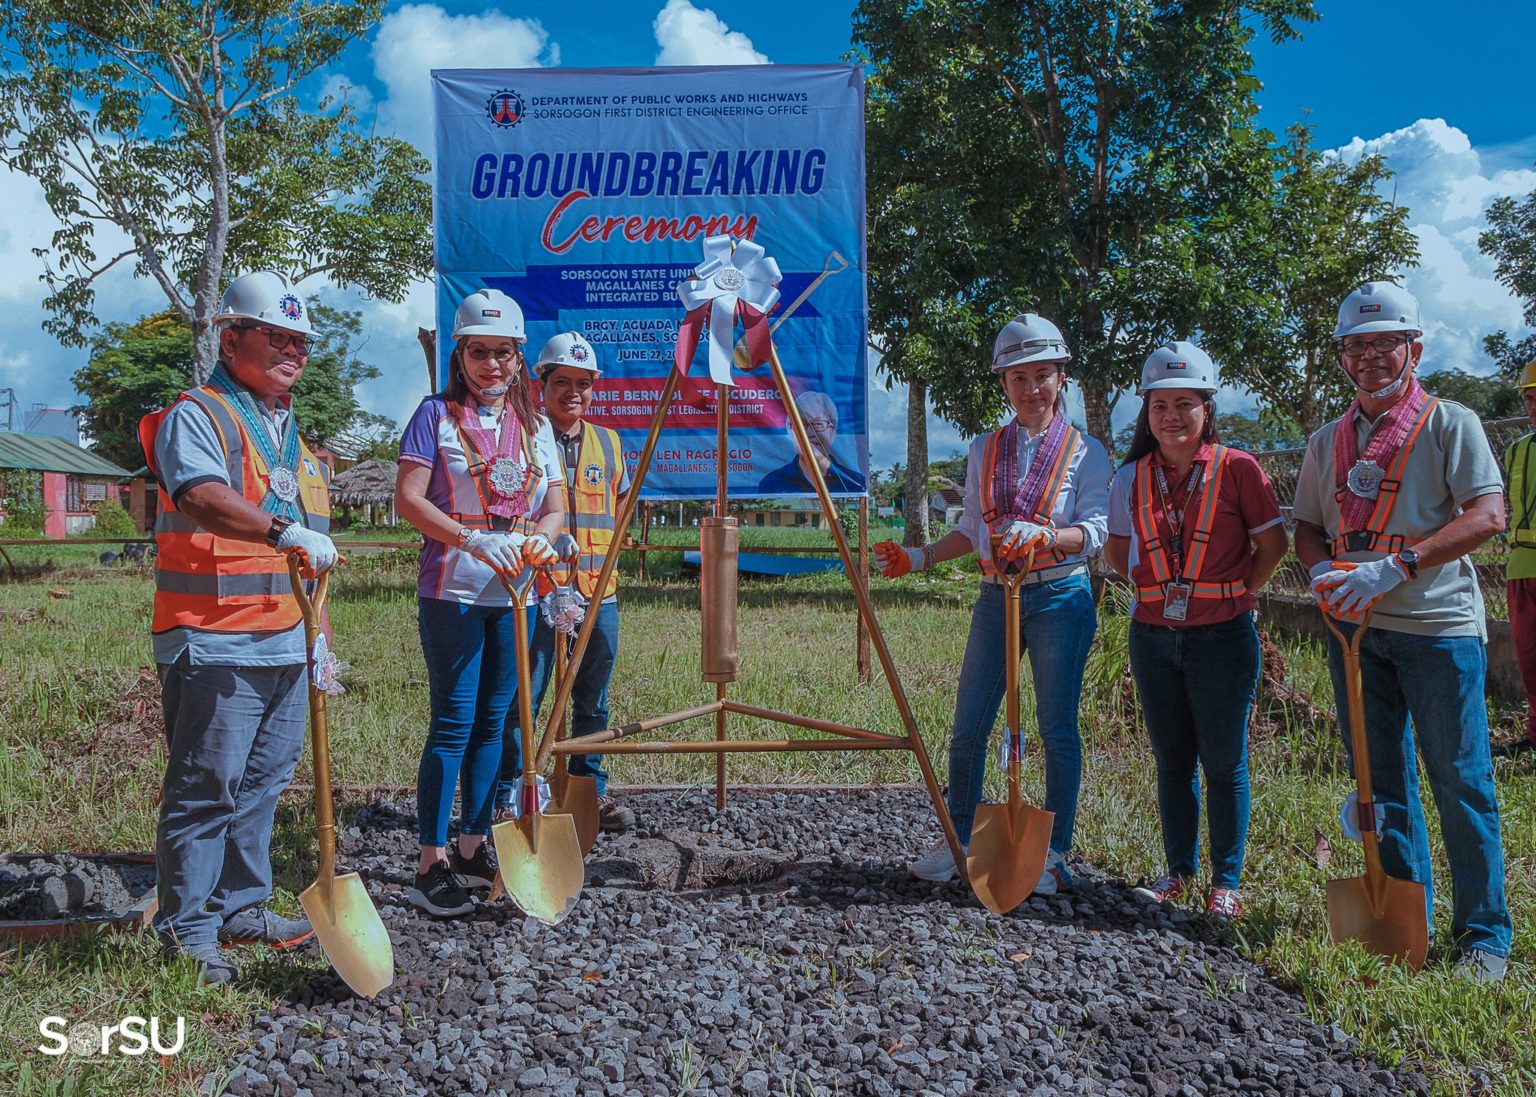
[{"x": 80, "y": 757}]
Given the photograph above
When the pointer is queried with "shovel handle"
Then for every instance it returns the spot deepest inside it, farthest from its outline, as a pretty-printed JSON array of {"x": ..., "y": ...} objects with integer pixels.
[
  {"x": 1013, "y": 585},
  {"x": 519, "y": 596},
  {"x": 1359, "y": 749},
  {"x": 319, "y": 735}
]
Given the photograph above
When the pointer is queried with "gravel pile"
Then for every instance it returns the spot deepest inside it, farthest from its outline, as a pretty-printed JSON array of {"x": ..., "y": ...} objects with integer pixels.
[
  {"x": 64, "y": 886},
  {"x": 821, "y": 968}
]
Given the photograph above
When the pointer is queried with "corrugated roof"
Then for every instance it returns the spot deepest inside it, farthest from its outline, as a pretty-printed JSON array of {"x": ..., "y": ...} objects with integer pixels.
[{"x": 45, "y": 453}]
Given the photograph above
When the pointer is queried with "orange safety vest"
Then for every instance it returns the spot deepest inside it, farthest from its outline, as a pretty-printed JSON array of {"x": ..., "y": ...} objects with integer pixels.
[
  {"x": 222, "y": 584},
  {"x": 592, "y": 496},
  {"x": 1053, "y": 484},
  {"x": 1374, "y": 535},
  {"x": 1154, "y": 550}
]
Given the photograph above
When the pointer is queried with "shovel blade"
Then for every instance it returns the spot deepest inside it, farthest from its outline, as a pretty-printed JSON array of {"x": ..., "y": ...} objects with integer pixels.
[
  {"x": 351, "y": 932},
  {"x": 540, "y": 859},
  {"x": 1009, "y": 847},
  {"x": 579, "y": 801},
  {"x": 1388, "y": 919}
]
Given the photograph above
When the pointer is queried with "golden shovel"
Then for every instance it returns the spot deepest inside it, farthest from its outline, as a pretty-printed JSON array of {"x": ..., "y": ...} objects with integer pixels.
[
  {"x": 1011, "y": 841},
  {"x": 538, "y": 854},
  {"x": 575, "y": 796},
  {"x": 1386, "y": 915},
  {"x": 346, "y": 922}
]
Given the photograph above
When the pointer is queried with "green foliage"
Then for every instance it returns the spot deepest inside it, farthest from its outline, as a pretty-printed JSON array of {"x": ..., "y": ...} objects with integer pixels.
[
  {"x": 1510, "y": 241},
  {"x": 1255, "y": 433},
  {"x": 21, "y": 492},
  {"x": 176, "y": 123},
  {"x": 1078, "y": 161},
  {"x": 139, "y": 368},
  {"x": 1315, "y": 229},
  {"x": 134, "y": 369},
  {"x": 113, "y": 520},
  {"x": 1491, "y": 397}
]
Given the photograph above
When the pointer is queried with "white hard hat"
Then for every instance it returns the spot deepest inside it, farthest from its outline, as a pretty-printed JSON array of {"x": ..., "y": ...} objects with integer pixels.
[
  {"x": 1028, "y": 338},
  {"x": 265, "y": 297},
  {"x": 489, "y": 312},
  {"x": 1178, "y": 365},
  {"x": 568, "y": 349},
  {"x": 1378, "y": 307}
]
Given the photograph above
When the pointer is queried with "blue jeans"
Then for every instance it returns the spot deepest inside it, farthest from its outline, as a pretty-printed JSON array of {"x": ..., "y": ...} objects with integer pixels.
[
  {"x": 233, "y": 737},
  {"x": 1196, "y": 685},
  {"x": 471, "y": 655},
  {"x": 1057, "y": 623},
  {"x": 1438, "y": 683},
  {"x": 589, "y": 700}
]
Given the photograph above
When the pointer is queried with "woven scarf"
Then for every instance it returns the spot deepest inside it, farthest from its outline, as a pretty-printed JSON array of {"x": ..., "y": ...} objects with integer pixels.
[
  {"x": 258, "y": 428},
  {"x": 1005, "y": 474},
  {"x": 1355, "y": 510},
  {"x": 488, "y": 450}
]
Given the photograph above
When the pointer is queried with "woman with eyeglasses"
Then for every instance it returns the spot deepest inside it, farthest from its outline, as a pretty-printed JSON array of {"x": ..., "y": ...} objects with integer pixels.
[{"x": 477, "y": 466}]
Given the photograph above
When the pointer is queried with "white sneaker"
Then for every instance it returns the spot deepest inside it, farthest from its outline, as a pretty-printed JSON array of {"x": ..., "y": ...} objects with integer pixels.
[
  {"x": 1054, "y": 874},
  {"x": 938, "y": 864}
]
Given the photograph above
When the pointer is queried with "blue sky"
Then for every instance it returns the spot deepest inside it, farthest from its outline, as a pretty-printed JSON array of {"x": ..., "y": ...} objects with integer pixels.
[{"x": 1445, "y": 99}]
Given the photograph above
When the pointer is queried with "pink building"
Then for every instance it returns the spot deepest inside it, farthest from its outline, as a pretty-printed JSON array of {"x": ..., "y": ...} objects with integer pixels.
[{"x": 74, "y": 479}]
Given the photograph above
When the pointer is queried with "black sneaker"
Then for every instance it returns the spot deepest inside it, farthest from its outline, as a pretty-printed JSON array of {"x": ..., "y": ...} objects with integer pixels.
[
  {"x": 213, "y": 968},
  {"x": 439, "y": 891},
  {"x": 613, "y": 817},
  {"x": 475, "y": 872}
]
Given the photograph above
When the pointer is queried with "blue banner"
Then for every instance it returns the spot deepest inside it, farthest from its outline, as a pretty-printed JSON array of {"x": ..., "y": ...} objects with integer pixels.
[{"x": 586, "y": 196}]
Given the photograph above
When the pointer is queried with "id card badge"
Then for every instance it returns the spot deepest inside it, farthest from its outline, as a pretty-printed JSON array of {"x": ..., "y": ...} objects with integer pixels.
[{"x": 1176, "y": 601}]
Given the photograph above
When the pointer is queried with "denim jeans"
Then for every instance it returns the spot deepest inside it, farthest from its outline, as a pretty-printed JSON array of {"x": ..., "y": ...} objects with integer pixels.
[
  {"x": 589, "y": 700},
  {"x": 1196, "y": 685},
  {"x": 1438, "y": 683},
  {"x": 471, "y": 655},
  {"x": 1057, "y": 623},
  {"x": 233, "y": 737}
]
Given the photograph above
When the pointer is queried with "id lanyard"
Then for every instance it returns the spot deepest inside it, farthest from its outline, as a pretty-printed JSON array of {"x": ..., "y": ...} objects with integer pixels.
[{"x": 1176, "y": 593}]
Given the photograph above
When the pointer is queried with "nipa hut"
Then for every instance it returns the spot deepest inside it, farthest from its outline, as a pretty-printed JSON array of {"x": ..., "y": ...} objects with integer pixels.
[{"x": 367, "y": 492}]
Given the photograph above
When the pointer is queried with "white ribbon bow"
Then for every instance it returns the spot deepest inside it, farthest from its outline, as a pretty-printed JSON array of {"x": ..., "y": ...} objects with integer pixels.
[{"x": 747, "y": 275}]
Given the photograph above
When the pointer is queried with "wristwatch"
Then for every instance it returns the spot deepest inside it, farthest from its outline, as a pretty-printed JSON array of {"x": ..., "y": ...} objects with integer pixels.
[
  {"x": 1410, "y": 561},
  {"x": 275, "y": 530}
]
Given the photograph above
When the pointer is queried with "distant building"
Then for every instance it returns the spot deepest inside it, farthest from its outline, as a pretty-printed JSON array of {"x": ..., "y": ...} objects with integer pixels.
[
  {"x": 59, "y": 422},
  {"x": 946, "y": 502},
  {"x": 74, "y": 479}
]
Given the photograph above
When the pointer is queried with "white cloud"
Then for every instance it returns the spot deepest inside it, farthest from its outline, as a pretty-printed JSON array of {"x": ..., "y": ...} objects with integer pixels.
[
  {"x": 688, "y": 35},
  {"x": 342, "y": 89},
  {"x": 1447, "y": 184},
  {"x": 413, "y": 40}
]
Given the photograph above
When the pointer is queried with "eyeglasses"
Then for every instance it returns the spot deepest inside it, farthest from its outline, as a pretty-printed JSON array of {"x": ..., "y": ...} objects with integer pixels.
[
  {"x": 279, "y": 339},
  {"x": 485, "y": 354},
  {"x": 1382, "y": 344}
]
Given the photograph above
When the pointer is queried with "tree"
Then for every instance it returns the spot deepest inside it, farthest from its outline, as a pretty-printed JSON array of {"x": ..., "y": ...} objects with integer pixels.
[
  {"x": 1510, "y": 241},
  {"x": 1255, "y": 433},
  {"x": 1491, "y": 397},
  {"x": 1316, "y": 230},
  {"x": 1065, "y": 157},
  {"x": 138, "y": 368},
  {"x": 176, "y": 123}
]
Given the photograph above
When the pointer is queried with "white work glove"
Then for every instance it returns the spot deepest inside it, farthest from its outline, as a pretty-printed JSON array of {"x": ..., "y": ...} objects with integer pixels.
[
  {"x": 318, "y": 549},
  {"x": 1019, "y": 536},
  {"x": 567, "y": 548},
  {"x": 502, "y": 549},
  {"x": 538, "y": 552},
  {"x": 1361, "y": 585},
  {"x": 1322, "y": 578}
]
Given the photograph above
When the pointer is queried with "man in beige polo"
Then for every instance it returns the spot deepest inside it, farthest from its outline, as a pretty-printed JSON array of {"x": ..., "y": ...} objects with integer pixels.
[{"x": 1386, "y": 514}]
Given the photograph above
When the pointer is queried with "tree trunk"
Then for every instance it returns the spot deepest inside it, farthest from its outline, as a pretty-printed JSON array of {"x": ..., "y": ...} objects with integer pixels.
[
  {"x": 917, "y": 465},
  {"x": 205, "y": 355},
  {"x": 1098, "y": 411}
]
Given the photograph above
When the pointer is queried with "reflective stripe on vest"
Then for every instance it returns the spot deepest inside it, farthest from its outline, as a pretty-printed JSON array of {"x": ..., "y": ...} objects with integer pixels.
[
  {"x": 592, "y": 487},
  {"x": 1154, "y": 553},
  {"x": 223, "y": 584},
  {"x": 1374, "y": 536},
  {"x": 1042, "y": 516},
  {"x": 1516, "y": 458}
]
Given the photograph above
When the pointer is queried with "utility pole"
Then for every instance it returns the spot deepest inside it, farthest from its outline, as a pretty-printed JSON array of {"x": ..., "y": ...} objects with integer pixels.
[{"x": 8, "y": 402}]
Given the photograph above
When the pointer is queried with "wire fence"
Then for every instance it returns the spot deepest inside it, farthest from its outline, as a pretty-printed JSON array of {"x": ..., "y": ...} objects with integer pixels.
[{"x": 1284, "y": 465}]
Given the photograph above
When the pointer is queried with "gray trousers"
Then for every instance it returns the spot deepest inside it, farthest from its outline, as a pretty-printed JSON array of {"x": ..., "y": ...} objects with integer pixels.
[{"x": 234, "y": 735}]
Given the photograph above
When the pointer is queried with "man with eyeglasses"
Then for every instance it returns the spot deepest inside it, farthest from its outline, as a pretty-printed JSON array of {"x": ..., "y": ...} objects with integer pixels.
[
  {"x": 1391, "y": 499},
  {"x": 239, "y": 490}
]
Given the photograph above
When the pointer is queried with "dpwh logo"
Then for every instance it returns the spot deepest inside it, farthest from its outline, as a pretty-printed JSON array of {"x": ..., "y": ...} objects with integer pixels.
[
  {"x": 505, "y": 108},
  {"x": 290, "y": 306}
]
